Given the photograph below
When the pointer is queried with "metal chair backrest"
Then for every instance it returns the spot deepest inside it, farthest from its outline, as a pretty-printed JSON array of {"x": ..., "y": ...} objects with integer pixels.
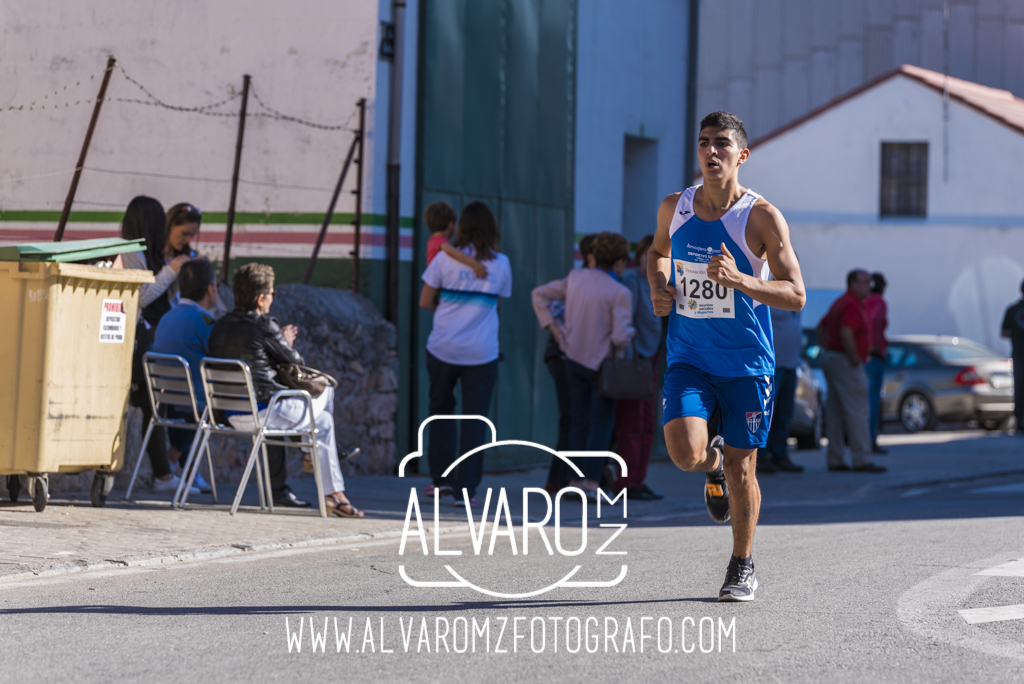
[
  {"x": 169, "y": 383},
  {"x": 227, "y": 384}
]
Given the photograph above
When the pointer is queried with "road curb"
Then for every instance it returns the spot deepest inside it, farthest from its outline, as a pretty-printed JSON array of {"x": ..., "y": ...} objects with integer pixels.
[
  {"x": 962, "y": 478},
  {"x": 201, "y": 553}
]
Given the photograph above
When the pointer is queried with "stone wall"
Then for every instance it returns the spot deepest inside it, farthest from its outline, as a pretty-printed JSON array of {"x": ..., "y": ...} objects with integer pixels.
[{"x": 340, "y": 333}]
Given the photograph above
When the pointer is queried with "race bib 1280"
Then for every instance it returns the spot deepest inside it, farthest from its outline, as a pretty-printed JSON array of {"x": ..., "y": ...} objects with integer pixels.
[{"x": 697, "y": 296}]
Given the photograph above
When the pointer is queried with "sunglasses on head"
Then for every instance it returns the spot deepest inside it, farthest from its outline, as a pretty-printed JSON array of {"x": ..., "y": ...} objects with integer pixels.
[{"x": 187, "y": 210}]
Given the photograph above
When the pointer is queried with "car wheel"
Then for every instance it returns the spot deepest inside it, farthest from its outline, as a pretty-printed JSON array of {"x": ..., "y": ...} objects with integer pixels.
[
  {"x": 812, "y": 442},
  {"x": 916, "y": 413}
]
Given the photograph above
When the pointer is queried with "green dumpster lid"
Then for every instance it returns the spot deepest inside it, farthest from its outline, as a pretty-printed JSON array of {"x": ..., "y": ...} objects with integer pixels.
[{"x": 72, "y": 250}]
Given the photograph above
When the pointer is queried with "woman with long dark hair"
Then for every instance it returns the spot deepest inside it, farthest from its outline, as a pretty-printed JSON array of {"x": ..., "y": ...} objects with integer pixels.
[
  {"x": 167, "y": 248},
  {"x": 463, "y": 346}
]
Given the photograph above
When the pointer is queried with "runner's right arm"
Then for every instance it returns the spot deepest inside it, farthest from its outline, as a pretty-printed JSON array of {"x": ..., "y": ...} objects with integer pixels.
[{"x": 659, "y": 259}]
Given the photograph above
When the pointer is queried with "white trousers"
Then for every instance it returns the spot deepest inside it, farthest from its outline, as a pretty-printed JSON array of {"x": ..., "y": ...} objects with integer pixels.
[{"x": 291, "y": 414}]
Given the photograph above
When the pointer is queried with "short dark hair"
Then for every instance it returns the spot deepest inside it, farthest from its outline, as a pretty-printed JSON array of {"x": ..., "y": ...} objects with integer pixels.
[
  {"x": 478, "y": 227},
  {"x": 608, "y": 248},
  {"x": 851, "y": 277},
  {"x": 645, "y": 244},
  {"x": 587, "y": 246},
  {"x": 729, "y": 121},
  {"x": 195, "y": 278},
  {"x": 251, "y": 281},
  {"x": 878, "y": 283},
  {"x": 438, "y": 216}
]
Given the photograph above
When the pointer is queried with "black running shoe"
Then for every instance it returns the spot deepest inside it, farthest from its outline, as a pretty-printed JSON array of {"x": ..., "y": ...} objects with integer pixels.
[
  {"x": 740, "y": 583},
  {"x": 716, "y": 491}
]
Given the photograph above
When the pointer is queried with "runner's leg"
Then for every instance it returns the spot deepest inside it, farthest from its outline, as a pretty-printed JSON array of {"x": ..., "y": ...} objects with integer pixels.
[
  {"x": 687, "y": 442},
  {"x": 744, "y": 498}
]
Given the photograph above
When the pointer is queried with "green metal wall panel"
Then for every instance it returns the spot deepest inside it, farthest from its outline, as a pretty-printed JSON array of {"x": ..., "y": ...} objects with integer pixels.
[
  {"x": 513, "y": 412},
  {"x": 497, "y": 124},
  {"x": 556, "y": 148}
]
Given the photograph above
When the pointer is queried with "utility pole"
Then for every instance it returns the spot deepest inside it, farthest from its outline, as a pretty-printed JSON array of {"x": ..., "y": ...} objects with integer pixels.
[
  {"x": 111, "y": 61},
  {"x": 395, "y": 159},
  {"x": 690, "y": 140},
  {"x": 225, "y": 269}
]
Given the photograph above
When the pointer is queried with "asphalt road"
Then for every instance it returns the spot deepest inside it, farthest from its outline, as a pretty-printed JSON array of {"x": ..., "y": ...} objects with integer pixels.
[{"x": 858, "y": 589}]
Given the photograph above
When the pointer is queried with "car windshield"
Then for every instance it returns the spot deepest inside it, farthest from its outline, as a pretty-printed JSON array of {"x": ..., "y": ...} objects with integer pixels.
[{"x": 960, "y": 349}]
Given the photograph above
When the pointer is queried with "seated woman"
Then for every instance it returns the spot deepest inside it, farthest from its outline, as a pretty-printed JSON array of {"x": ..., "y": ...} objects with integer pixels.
[{"x": 250, "y": 334}]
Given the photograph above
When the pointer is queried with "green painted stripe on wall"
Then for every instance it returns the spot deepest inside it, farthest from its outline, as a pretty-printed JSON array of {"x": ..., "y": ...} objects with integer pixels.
[{"x": 275, "y": 218}]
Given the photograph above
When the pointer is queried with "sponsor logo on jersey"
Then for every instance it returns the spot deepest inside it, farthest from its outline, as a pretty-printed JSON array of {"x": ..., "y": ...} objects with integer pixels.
[
  {"x": 692, "y": 304},
  {"x": 753, "y": 420}
]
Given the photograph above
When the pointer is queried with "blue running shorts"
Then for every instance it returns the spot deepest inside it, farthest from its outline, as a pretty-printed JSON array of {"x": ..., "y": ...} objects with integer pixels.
[{"x": 746, "y": 402}]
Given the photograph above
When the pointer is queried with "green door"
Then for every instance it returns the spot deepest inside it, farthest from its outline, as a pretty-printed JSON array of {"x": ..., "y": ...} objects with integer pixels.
[{"x": 496, "y": 124}]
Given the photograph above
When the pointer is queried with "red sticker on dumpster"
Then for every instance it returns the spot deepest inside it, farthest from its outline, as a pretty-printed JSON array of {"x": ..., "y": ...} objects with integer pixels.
[{"x": 113, "y": 321}]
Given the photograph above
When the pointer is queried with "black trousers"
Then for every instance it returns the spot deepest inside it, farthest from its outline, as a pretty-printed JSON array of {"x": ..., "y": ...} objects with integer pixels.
[
  {"x": 559, "y": 473},
  {"x": 477, "y": 388}
]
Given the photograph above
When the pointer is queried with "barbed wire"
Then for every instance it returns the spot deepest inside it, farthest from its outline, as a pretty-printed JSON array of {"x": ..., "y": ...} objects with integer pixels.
[
  {"x": 154, "y": 100},
  {"x": 45, "y": 98},
  {"x": 205, "y": 110},
  {"x": 276, "y": 115}
]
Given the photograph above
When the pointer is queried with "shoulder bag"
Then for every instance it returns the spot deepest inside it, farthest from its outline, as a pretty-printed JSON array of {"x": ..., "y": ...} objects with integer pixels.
[
  {"x": 297, "y": 376},
  {"x": 626, "y": 378}
]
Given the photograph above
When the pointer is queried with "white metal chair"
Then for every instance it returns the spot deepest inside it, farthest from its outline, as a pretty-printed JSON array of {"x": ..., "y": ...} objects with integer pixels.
[
  {"x": 169, "y": 383},
  {"x": 228, "y": 387}
]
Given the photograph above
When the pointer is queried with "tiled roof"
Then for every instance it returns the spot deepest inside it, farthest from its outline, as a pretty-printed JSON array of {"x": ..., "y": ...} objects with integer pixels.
[{"x": 1001, "y": 105}]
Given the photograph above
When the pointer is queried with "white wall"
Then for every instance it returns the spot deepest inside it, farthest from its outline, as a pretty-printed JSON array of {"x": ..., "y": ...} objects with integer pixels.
[
  {"x": 953, "y": 272},
  {"x": 828, "y": 167},
  {"x": 310, "y": 58},
  {"x": 631, "y": 81}
]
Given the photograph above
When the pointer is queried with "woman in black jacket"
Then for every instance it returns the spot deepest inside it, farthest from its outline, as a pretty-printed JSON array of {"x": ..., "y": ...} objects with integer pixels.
[
  {"x": 250, "y": 334},
  {"x": 144, "y": 218}
]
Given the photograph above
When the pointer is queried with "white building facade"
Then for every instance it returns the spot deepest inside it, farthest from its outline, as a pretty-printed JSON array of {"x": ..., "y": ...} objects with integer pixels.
[{"x": 952, "y": 270}]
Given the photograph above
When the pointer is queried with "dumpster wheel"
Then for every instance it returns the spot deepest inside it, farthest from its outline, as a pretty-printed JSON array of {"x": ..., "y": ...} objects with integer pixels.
[
  {"x": 102, "y": 483},
  {"x": 38, "y": 489},
  {"x": 14, "y": 487}
]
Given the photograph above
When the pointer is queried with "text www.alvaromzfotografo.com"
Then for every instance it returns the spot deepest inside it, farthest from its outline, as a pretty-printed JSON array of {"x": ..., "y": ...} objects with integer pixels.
[{"x": 518, "y": 634}]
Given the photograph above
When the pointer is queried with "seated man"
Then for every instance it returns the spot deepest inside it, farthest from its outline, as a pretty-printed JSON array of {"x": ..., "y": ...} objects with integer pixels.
[
  {"x": 251, "y": 334},
  {"x": 185, "y": 331}
]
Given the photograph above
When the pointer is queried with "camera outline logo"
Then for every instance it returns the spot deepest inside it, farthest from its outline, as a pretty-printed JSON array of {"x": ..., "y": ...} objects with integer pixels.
[{"x": 501, "y": 508}]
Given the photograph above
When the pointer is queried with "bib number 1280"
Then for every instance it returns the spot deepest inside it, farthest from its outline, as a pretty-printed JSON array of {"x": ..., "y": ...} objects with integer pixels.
[{"x": 697, "y": 296}]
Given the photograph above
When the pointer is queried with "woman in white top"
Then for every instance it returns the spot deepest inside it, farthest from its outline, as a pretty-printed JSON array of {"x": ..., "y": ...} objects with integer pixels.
[{"x": 463, "y": 347}]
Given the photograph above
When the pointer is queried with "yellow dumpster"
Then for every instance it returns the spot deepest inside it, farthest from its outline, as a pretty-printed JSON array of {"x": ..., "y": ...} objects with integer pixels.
[{"x": 66, "y": 347}]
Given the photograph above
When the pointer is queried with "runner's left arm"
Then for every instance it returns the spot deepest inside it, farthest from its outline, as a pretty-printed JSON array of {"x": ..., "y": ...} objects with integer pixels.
[{"x": 768, "y": 226}]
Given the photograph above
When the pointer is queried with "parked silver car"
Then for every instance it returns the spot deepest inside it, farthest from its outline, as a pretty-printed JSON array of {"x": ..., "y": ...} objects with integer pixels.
[
  {"x": 935, "y": 377},
  {"x": 808, "y": 424}
]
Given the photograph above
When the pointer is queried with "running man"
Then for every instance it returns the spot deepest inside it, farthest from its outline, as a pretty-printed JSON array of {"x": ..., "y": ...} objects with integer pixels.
[{"x": 715, "y": 249}]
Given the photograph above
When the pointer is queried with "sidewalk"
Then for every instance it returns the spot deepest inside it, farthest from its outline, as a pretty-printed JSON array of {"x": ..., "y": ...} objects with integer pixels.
[{"x": 71, "y": 535}]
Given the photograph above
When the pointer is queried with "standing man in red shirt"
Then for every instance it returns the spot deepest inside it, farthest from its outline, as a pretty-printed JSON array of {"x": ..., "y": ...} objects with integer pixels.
[
  {"x": 877, "y": 311},
  {"x": 844, "y": 334}
]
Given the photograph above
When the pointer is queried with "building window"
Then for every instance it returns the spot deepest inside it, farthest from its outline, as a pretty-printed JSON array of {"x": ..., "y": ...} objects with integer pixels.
[{"x": 904, "y": 179}]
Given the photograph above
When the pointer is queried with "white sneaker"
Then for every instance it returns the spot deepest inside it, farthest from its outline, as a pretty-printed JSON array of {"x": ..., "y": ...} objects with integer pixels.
[
  {"x": 168, "y": 485},
  {"x": 171, "y": 485},
  {"x": 202, "y": 484}
]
